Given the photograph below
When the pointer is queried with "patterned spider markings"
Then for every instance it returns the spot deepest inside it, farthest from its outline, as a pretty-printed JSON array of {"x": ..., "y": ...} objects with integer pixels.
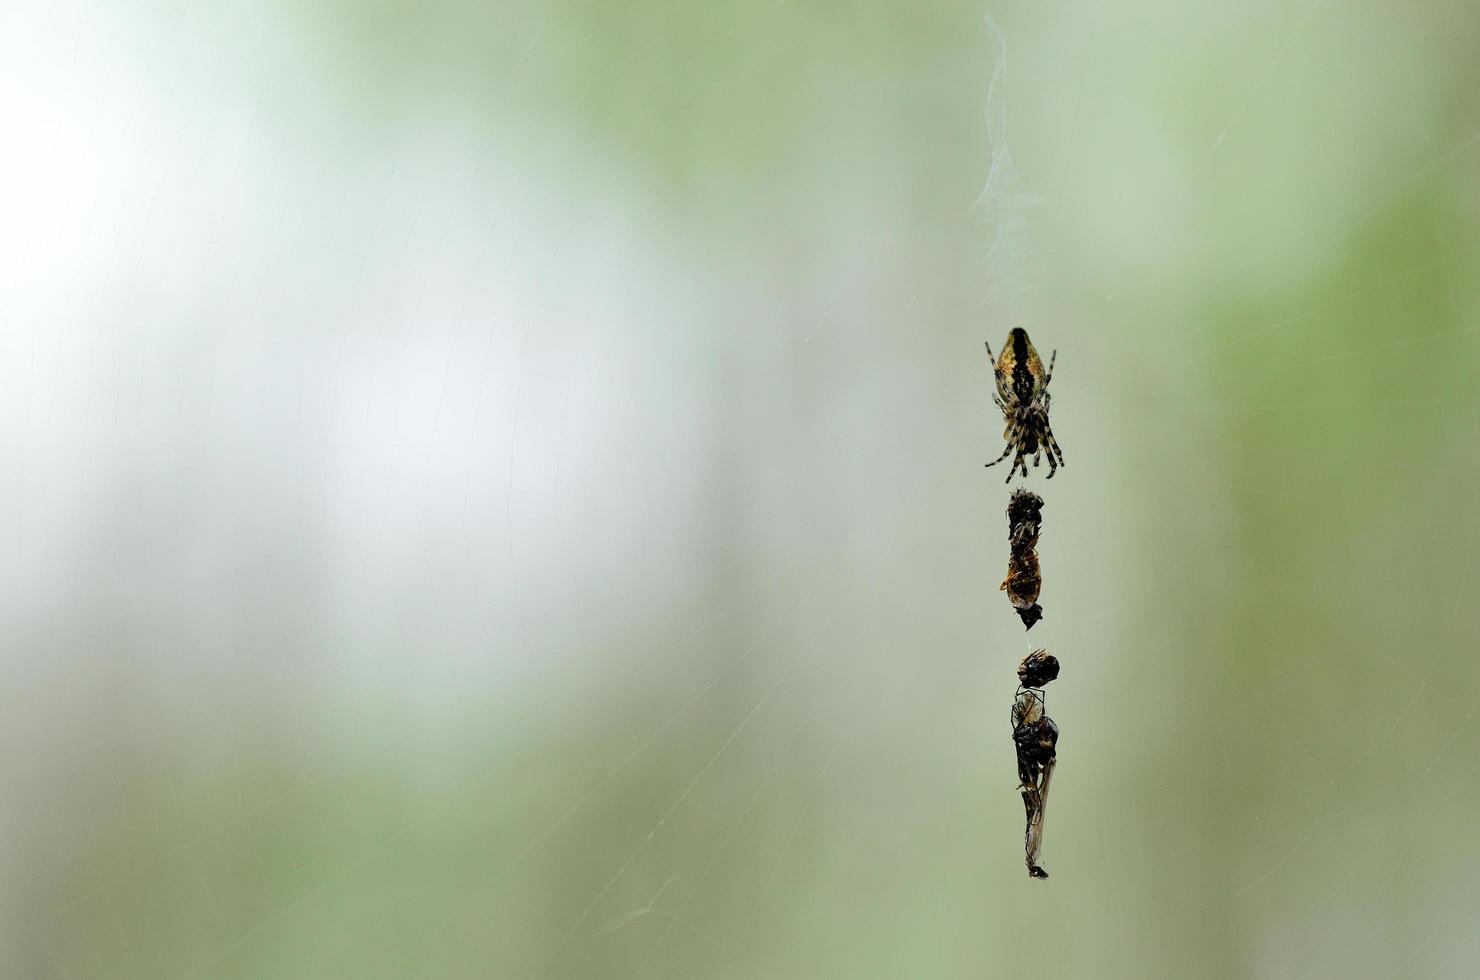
[{"x": 1022, "y": 394}]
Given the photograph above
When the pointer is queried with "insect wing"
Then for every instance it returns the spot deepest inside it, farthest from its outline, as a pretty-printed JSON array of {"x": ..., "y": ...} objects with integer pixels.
[{"x": 1033, "y": 844}]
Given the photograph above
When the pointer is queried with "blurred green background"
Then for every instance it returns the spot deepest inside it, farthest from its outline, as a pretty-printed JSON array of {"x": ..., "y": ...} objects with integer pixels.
[{"x": 495, "y": 490}]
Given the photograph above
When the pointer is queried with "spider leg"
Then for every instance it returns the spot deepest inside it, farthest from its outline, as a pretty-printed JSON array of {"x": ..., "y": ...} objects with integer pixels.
[
  {"x": 1016, "y": 462},
  {"x": 1002, "y": 457},
  {"x": 996, "y": 377},
  {"x": 1049, "y": 376},
  {"x": 1054, "y": 447}
]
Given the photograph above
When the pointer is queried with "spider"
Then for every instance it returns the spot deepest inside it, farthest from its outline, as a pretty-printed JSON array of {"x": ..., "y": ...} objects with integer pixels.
[{"x": 1022, "y": 394}]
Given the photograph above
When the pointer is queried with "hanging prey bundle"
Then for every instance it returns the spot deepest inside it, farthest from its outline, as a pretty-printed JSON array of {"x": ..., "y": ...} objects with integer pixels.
[
  {"x": 1024, "y": 579},
  {"x": 1035, "y": 738}
]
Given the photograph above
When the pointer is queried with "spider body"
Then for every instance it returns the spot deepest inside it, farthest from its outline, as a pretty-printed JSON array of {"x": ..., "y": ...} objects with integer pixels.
[{"x": 1022, "y": 394}]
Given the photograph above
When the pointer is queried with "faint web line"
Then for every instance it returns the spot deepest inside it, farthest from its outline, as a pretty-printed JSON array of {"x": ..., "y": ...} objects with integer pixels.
[
  {"x": 776, "y": 866},
  {"x": 1266, "y": 74},
  {"x": 744, "y": 723}
]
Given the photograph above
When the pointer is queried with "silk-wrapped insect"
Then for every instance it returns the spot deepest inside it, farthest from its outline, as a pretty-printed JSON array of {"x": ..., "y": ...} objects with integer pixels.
[
  {"x": 1035, "y": 740},
  {"x": 1038, "y": 668},
  {"x": 1024, "y": 578}
]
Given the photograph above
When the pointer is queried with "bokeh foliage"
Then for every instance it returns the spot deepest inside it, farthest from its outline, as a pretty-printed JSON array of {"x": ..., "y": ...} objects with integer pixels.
[{"x": 497, "y": 488}]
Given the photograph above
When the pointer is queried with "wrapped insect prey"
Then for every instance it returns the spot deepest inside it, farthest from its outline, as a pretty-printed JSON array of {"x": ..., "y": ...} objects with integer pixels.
[
  {"x": 1035, "y": 739},
  {"x": 1024, "y": 579}
]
